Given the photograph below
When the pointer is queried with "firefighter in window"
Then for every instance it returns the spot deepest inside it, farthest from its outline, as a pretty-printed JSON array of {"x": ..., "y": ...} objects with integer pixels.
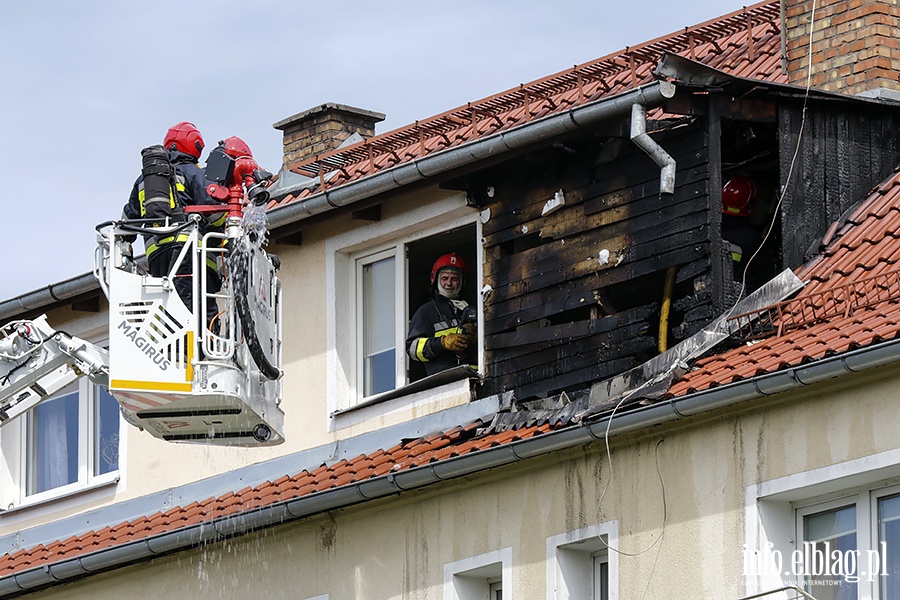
[
  {"x": 443, "y": 331},
  {"x": 742, "y": 237}
]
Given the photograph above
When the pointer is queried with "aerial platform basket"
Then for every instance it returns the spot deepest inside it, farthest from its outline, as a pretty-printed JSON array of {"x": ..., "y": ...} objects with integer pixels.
[{"x": 178, "y": 372}]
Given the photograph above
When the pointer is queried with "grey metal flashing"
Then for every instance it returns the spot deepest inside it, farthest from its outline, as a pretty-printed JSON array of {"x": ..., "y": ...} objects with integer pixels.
[
  {"x": 460, "y": 466},
  {"x": 250, "y": 475}
]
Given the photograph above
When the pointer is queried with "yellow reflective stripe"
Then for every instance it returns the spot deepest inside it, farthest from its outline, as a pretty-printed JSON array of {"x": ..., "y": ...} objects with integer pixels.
[
  {"x": 178, "y": 186},
  {"x": 420, "y": 348},
  {"x": 181, "y": 237},
  {"x": 448, "y": 331},
  {"x": 150, "y": 385},
  {"x": 220, "y": 221},
  {"x": 189, "y": 371}
]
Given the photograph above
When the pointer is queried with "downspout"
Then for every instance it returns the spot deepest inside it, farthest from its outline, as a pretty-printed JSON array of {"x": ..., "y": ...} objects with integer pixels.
[
  {"x": 646, "y": 143},
  {"x": 394, "y": 483}
]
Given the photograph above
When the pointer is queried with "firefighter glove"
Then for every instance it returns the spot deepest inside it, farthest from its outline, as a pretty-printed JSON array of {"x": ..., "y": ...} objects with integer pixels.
[
  {"x": 454, "y": 342},
  {"x": 470, "y": 330}
]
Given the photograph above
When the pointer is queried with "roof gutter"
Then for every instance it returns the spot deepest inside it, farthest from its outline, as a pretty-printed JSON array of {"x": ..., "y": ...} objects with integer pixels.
[
  {"x": 494, "y": 145},
  {"x": 580, "y": 117},
  {"x": 47, "y": 296},
  {"x": 394, "y": 483}
]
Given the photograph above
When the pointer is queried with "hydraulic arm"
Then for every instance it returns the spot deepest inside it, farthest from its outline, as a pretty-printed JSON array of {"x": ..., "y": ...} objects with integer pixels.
[{"x": 36, "y": 361}]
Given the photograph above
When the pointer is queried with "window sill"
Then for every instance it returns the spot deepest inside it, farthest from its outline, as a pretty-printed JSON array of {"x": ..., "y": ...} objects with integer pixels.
[
  {"x": 62, "y": 493},
  {"x": 427, "y": 383}
]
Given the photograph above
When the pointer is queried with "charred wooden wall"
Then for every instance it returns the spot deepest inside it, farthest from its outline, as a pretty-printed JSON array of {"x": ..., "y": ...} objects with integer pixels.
[
  {"x": 575, "y": 294},
  {"x": 844, "y": 151}
]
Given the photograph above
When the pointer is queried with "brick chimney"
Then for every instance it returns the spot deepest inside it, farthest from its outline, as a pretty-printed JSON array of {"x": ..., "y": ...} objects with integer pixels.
[
  {"x": 323, "y": 128},
  {"x": 855, "y": 45}
]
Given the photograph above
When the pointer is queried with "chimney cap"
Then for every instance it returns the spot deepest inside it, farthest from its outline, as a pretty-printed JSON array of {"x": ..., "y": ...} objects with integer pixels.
[{"x": 329, "y": 107}]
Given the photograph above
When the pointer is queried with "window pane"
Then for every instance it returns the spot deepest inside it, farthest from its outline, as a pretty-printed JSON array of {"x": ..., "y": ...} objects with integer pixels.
[
  {"x": 106, "y": 432},
  {"x": 379, "y": 327},
  {"x": 600, "y": 586},
  {"x": 53, "y": 442},
  {"x": 825, "y": 533},
  {"x": 889, "y": 546}
]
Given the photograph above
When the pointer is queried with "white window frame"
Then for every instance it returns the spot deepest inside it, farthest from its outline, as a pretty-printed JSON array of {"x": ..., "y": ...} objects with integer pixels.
[
  {"x": 773, "y": 508},
  {"x": 400, "y": 314},
  {"x": 475, "y": 577},
  {"x": 572, "y": 559},
  {"x": 14, "y": 446},
  {"x": 343, "y": 251}
]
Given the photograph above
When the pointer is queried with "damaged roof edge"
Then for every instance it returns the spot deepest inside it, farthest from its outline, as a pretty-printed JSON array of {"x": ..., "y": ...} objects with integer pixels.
[
  {"x": 428, "y": 166},
  {"x": 394, "y": 483},
  {"x": 493, "y": 145}
]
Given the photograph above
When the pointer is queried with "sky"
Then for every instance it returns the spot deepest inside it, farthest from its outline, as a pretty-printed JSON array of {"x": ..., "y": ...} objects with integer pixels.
[{"x": 88, "y": 84}]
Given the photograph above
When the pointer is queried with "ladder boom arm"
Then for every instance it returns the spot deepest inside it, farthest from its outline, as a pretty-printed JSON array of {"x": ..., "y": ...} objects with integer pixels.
[{"x": 37, "y": 361}]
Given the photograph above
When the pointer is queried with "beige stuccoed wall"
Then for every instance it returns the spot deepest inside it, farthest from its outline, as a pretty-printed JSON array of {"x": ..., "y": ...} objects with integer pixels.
[
  {"x": 687, "y": 547},
  {"x": 151, "y": 465}
]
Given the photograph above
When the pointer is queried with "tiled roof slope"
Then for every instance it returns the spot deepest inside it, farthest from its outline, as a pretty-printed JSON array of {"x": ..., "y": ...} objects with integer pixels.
[
  {"x": 745, "y": 43},
  {"x": 402, "y": 457},
  {"x": 865, "y": 245},
  {"x": 851, "y": 300}
]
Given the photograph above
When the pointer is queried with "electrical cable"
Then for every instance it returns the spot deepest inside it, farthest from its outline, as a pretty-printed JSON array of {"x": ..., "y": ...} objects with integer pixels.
[
  {"x": 609, "y": 478},
  {"x": 812, "y": 23},
  {"x": 727, "y": 314}
]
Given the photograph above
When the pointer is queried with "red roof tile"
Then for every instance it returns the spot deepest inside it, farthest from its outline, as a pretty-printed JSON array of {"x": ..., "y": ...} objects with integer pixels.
[
  {"x": 721, "y": 43},
  {"x": 867, "y": 246},
  {"x": 345, "y": 472},
  {"x": 857, "y": 277}
]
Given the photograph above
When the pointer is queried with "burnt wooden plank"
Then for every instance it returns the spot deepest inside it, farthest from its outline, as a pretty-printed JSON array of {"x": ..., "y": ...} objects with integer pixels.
[
  {"x": 793, "y": 176},
  {"x": 571, "y": 294},
  {"x": 668, "y": 220},
  {"x": 611, "y": 329},
  {"x": 582, "y": 206},
  {"x": 714, "y": 127},
  {"x": 557, "y": 361},
  {"x": 532, "y": 271},
  {"x": 506, "y": 343},
  {"x": 620, "y": 342},
  {"x": 696, "y": 268},
  {"x": 574, "y": 380},
  {"x": 522, "y": 204}
]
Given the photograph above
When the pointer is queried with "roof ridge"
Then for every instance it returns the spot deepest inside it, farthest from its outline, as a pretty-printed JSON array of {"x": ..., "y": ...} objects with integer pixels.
[{"x": 588, "y": 79}]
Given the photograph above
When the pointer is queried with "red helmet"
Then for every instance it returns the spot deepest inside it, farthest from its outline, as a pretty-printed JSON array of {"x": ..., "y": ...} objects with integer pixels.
[
  {"x": 452, "y": 260},
  {"x": 185, "y": 138},
  {"x": 738, "y": 195},
  {"x": 236, "y": 147}
]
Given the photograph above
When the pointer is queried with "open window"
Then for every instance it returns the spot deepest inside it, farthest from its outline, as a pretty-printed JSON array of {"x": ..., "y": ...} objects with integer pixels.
[
  {"x": 750, "y": 198},
  {"x": 381, "y": 276}
]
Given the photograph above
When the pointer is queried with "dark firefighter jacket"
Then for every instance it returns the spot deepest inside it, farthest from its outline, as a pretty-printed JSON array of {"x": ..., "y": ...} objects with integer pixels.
[
  {"x": 191, "y": 185},
  {"x": 434, "y": 319}
]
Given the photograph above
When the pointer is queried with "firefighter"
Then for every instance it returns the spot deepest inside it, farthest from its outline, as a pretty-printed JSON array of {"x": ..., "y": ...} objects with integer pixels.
[
  {"x": 176, "y": 160},
  {"x": 443, "y": 331},
  {"x": 741, "y": 237}
]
